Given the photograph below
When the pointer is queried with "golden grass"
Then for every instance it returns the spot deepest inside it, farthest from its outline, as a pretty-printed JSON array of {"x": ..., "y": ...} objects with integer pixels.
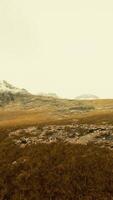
[
  {"x": 23, "y": 118},
  {"x": 15, "y": 119},
  {"x": 20, "y": 118}
]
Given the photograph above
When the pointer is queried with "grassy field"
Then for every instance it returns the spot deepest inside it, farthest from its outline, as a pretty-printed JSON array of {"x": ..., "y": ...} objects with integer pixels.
[
  {"x": 26, "y": 118},
  {"x": 55, "y": 171}
]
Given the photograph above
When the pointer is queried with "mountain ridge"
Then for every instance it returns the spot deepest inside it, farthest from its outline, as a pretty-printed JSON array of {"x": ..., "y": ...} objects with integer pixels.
[{"x": 7, "y": 87}]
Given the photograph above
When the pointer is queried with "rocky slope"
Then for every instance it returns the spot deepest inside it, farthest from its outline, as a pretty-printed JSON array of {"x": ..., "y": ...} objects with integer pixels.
[
  {"x": 74, "y": 133},
  {"x": 6, "y": 87},
  {"x": 9, "y": 93}
]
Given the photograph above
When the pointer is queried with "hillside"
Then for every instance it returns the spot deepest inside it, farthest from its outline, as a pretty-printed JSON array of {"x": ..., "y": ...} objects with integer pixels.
[
  {"x": 13, "y": 98},
  {"x": 53, "y": 148}
]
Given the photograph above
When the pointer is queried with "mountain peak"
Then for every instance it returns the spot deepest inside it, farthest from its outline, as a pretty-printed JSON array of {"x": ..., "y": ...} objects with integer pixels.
[{"x": 7, "y": 87}]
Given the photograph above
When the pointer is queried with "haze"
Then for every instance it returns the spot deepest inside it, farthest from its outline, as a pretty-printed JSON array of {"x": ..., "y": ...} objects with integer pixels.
[{"x": 63, "y": 46}]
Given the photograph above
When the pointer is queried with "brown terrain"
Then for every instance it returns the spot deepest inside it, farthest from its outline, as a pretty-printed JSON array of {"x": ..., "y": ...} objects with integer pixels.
[
  {"x": 55, "y": 149},
  {"x": 58, "y": 120}
]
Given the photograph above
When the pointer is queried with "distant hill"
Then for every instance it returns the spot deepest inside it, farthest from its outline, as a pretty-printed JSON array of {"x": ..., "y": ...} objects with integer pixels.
[
  {"x": 87, "y": 97},
  {"x": 13, "y": 98}
]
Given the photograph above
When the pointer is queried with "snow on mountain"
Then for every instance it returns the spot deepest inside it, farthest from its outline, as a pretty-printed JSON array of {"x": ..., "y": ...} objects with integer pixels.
[{"x": 6, "y": 87}]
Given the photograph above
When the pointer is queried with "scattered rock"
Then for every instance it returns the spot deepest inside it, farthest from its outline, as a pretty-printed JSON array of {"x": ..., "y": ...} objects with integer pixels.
[{"x": 74, "y": 133}]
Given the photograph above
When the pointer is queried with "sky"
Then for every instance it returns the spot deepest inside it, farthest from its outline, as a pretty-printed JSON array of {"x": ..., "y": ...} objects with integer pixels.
[{"x": 63, "y": 46}]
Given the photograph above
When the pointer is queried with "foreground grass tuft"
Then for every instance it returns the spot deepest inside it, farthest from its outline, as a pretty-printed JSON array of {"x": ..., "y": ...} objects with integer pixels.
[{"x": 55, "y": 172}]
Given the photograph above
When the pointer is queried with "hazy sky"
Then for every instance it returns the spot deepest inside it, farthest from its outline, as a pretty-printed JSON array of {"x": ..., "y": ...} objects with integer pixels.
[{"x": 62, "y": 46}]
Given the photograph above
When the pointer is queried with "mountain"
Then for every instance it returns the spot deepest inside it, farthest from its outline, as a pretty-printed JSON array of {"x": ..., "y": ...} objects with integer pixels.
[
  {"x": 87, "y": 97},
  {"x": 6, "y": 87},
  {"x": 9, "y": 93},
  {"x": 13, "y": 98}
]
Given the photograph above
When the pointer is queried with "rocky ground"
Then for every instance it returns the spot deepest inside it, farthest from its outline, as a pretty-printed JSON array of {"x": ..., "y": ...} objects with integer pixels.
[{"x": 81, "y": 134}]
